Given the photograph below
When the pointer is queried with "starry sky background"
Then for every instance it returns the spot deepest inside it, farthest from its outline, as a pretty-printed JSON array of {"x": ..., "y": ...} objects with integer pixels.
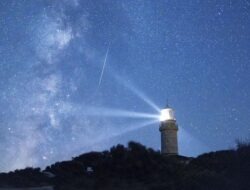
[{"x": 193, "y": 53}]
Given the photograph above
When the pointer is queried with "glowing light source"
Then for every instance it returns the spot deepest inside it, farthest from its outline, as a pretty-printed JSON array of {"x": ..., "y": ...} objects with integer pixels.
[{"x": 166, "y": 114}]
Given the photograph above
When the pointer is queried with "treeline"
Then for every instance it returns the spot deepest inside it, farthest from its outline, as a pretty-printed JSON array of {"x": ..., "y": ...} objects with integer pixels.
[
  {"x": 136, "y": 167},
  {"x": 29, "y": 177}
]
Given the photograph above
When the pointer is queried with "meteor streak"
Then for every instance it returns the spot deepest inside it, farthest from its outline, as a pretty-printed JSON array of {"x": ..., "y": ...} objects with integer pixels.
[{"x": 104, "y": 65}]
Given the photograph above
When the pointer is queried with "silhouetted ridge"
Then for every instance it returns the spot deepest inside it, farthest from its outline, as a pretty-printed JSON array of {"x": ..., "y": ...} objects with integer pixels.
[{"x": 136, "y": 167}]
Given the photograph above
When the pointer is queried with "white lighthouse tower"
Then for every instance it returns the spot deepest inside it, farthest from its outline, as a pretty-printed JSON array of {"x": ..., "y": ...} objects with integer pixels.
[{"x": 168, "y": 129}]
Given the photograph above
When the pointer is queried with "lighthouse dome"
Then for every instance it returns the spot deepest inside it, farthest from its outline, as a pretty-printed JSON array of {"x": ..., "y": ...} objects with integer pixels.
[{"x": 167, "y": 114}]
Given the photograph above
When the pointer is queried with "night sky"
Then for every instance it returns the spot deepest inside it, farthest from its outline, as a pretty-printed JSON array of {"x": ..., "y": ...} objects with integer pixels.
[{"x": 79, "y": 76}]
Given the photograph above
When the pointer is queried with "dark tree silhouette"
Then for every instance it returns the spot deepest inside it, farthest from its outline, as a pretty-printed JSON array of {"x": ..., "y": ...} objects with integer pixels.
[{"x": 138, "y": 168}]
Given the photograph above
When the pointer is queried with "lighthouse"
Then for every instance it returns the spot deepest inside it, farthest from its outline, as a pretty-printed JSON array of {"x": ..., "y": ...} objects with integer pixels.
[{"x": 168, "y": 129}]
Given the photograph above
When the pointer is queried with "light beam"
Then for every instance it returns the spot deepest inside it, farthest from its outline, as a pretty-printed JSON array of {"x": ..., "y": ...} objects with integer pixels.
[
  {"x": 137, "y": 92},
  {"x": 111, "y": 112}
]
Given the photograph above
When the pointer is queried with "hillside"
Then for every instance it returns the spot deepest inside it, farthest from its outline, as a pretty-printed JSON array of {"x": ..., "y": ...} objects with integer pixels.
[{"x": 138, "y": 168}]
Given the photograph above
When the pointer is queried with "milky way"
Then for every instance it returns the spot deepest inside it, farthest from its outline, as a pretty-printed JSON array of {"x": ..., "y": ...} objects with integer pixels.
[{"x": 53, "y": 106}]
